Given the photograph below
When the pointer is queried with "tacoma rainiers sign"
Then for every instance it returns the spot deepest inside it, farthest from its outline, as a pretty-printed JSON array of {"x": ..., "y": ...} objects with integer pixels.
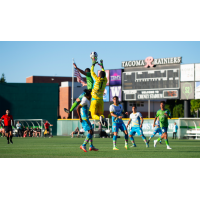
[{"x": 151, "y": 62}]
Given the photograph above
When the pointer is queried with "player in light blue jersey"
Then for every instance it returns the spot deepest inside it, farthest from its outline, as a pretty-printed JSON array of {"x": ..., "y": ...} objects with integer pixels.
[
  {"x": 135, "y": 117},
  {"x": 116, "y": 110},
  {"x": 83, "y": 114},
  {"x": 157, "y": 129}
]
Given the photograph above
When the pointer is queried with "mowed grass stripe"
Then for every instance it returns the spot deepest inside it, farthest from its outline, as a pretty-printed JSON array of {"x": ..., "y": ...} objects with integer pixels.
[{"x": 66, "y": 147}]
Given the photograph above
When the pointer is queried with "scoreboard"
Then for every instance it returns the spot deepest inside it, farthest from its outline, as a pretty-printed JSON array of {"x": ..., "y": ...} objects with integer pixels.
[{"x": 155, "y": 83}]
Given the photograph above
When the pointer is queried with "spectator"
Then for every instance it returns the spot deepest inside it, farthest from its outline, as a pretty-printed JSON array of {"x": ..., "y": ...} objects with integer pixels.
[
  {"x": 81, "y": 132},
  {"x": 175, "y": 128},
  {"x": 46, "y": 125},
  {"x": 38, "y": 132},
  {"x": 26, "y": 132},
  {"x": 75, "y": 132},
  {"x": 102, "y": 133},
  {"x": 2, "y": 131},
  {"x": 19, "y": 129},
  {"x": 34, "y": 132}
]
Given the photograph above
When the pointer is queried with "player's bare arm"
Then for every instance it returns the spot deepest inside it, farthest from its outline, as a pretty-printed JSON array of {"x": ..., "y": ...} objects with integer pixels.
[
  {"x": 141, "y": 121},
  {"x": 128, "y": 123},
  {"x": 154, "y": 121},
  {"x": 81, "y": 71},
  {"x": 78, "y": 112}
]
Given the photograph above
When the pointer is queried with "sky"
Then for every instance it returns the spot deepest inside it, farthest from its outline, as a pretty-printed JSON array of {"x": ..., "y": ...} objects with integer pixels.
[{"x": 21, "y": 59}]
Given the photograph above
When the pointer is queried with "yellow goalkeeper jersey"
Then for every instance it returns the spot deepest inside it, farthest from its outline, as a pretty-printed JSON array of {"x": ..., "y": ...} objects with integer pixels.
[{"x": 99, "y": 85}]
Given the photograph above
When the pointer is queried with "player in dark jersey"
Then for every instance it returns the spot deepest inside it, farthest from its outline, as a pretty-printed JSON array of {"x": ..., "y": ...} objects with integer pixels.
[{"x": 7, "y": 125}]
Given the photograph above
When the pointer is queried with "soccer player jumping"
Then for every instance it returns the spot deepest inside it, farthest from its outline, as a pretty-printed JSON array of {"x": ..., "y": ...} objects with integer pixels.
[
  {"x": 116, "y": 110},
  {"x": 163, "y": 115},
  {"x": 7, "y": 123},
  {"x": 83, "y": 114},
  {"x": 136, "y": 126},
  {"x": 89, "y": 87},
  {"x": 97, "y": 104}
]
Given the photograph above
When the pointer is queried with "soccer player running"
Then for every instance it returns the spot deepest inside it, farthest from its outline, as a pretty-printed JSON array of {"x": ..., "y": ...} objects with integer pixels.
[
  {"x": 116, "y": 110},
  {"x": 7, "y": 123},
  {"x": 157, "y": 129},
  {"x": 163, "y": 115},
  {"x": 97, "y": 104},
  {"x": 89, "y": 81},
  {"x": 83, "y": 114},
  {"x": 135, "y": 117}
]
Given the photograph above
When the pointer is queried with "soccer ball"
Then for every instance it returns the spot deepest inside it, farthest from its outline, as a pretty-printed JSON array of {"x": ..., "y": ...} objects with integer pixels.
[{"x": 93, "y": 55}]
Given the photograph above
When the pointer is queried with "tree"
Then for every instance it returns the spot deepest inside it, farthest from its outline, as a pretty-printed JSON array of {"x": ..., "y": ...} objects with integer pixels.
[
  {"x": 3, "y": 78},
  {"x": 178, "y": 111},
  {"x": 194, "y": 105}
]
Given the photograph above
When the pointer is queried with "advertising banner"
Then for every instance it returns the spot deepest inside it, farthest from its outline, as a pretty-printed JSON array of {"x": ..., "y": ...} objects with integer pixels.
[
  {"x": 116, "y": 91},
  {"x": 187, "y": 90},
  {"x": 187, "y": 72},
  {"x": 197, "y": 90},
  {"x": 116, "y": 77},
  {"x": 106, "y": 94},
  {"x": 107, "y": 75}
]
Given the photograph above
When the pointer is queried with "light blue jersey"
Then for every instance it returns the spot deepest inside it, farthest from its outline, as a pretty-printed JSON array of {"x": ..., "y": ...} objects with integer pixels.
[
  {"x": 85, "y": 103},
  {"x": 116, "y": 110},
  {"x": 135, "y": 119}
]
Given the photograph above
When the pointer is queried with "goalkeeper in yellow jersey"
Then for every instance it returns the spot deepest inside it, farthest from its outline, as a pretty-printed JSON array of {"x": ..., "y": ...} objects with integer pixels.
[{"x": 97, "y": 104}]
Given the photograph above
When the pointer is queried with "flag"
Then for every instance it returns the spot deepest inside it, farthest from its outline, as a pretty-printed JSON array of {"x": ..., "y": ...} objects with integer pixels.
[{"x": 79, "y": 77}]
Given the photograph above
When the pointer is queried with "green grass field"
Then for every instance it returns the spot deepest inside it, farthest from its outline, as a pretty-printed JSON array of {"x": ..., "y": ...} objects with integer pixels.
[{"x": 66, "y": 147}]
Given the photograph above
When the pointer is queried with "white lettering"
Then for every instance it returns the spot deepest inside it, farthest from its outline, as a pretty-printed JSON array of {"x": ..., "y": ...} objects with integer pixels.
[
  {"x": 115, "y": 90},
  {"x": 123, "y": 64}
]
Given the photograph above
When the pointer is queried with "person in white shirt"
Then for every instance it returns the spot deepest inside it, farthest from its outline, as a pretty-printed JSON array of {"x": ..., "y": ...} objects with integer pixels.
[
  {"x": 135, "y": 117},
  {"x": 19, "y": 129},
  {"x": 175, "y": 128}
]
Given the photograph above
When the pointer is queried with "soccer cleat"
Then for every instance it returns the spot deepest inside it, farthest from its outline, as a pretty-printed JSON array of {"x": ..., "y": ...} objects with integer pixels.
[
  {"x": 126, "y": 147},
  {"x": 8, "y": 142},
  {"x": 93, "y": 149},
  {"x": 147, "y": 145},
  {"x": 155, "y": 141},
  {"x": 66, "y": 110},
  {"x": 134, "y": 145},
  {"x": 11, "y": 142},
  {"x": 105, "y": 122},
  {"x": 115, "y": 148},
  {"x": 168, "y": 147},
  {"x": 83, "y": 148}
]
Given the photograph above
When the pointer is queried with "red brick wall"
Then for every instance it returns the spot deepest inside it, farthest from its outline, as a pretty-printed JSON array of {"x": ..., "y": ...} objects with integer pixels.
[
  {"x": 29, "y": 79},
  {"x": 64, "y": 100}
]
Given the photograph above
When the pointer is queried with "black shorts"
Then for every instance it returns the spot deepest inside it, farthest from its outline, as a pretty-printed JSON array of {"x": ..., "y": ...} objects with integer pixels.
[
  {"x": 8, "y": 129},
  {"x": 47, "y": 129}
]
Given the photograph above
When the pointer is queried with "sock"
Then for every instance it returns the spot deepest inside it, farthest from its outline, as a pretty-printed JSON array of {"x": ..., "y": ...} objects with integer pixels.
[
  {"x": 132, "y": 140},
  {"x": 159, "y": 139},
  {"x": 151, "y": 137},
  {"x": 144, "y": 138},
  {"x": 166, "y": 142},
  {"x": 126, "y": 139},
  {"x": 91, "y": 142},
  {"x": 74, "y": 105},
  {"x": 114, "y": 140},
  {"x": 10, "y": 138},
  {"x": 88, "y": 137}
]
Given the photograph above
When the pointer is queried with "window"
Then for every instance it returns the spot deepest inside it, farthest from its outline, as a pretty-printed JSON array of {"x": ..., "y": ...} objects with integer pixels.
[{"x": 138, "y": 103}]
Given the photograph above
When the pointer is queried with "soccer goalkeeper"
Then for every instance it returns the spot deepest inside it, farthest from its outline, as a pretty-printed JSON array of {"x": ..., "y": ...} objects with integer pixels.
[{"x": 97, "y": 104}]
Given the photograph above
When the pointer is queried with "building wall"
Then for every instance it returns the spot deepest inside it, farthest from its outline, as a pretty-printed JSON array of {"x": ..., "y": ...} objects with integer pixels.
[
  {"x": 49, "y": 79},
  {"x": 30, "y": 101},
  {"x": 64, "y": 101}
]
